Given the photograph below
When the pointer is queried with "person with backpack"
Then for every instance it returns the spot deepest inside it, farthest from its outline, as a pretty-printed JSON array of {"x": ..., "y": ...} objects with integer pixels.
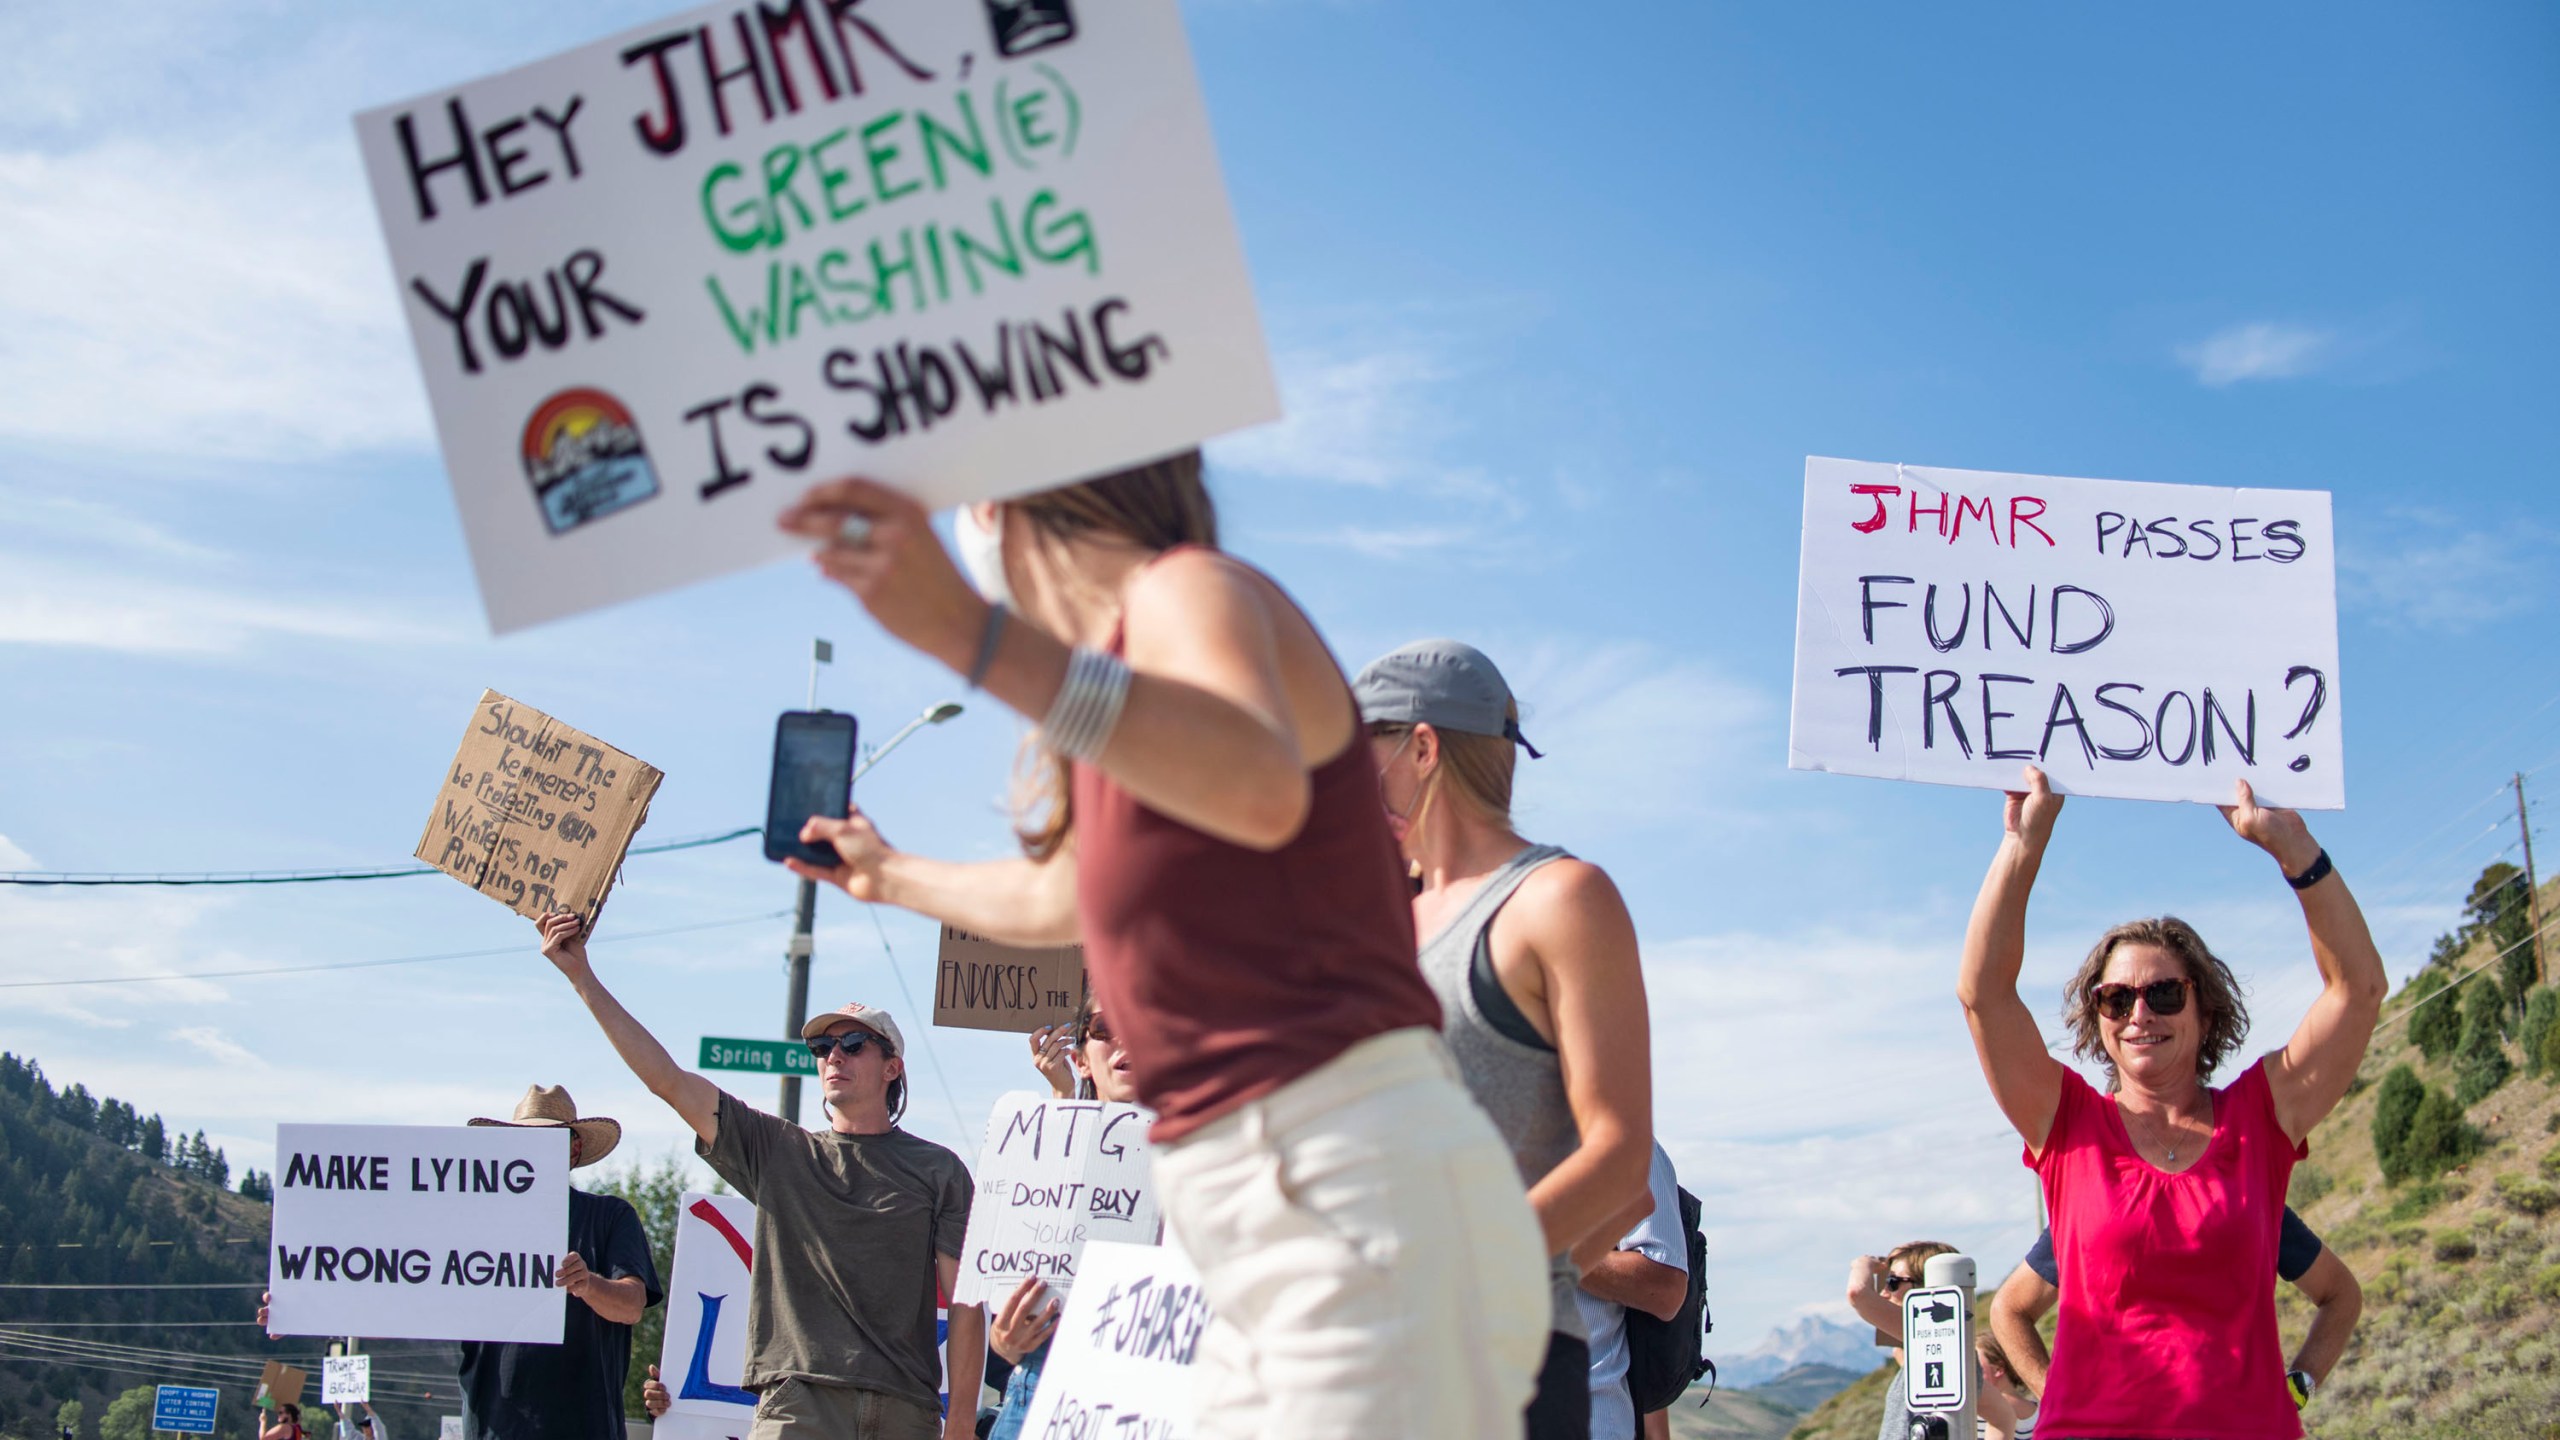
[
  {"x": 1647, "y": 1275},
  {"x": 1533, "y": 957}
]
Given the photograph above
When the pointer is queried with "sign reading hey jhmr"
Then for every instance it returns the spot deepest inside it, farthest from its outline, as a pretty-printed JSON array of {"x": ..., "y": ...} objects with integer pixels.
[
  {"x": 981, "y": 985},
  {"x": 1121, "y": 1364},
  {"x": 661, "y": 283},
  {"x": 704, "y": 1354},
  {"x": 535, "y": 814},
  {"x": 1054, "y": 1175},
  {"x": 419, "y": 1232},
  {"x": 2153, "y": 642}
]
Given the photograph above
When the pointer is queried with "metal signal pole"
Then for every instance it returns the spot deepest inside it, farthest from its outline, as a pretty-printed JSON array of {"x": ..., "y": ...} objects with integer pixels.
[{"x": 2532, "y": 883}]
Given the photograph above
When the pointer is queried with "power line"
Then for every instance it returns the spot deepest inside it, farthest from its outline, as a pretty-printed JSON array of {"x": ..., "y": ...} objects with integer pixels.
[
  {"x": 305, "y": 877},
  {"x": 375, "y": 964}
]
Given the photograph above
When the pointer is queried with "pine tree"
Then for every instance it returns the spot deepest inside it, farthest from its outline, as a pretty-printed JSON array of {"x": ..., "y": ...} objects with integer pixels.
[
  {"x": 2435, "y": 1021},
  {"x": 2393, "y": 1109},
  {"x": 2541, "y": 1023},
  {"x": 2480, "y": 1060}
]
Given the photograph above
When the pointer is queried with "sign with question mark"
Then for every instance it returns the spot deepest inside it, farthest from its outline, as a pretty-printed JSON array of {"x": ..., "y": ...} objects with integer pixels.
[{"x": 2153, "y": 642}]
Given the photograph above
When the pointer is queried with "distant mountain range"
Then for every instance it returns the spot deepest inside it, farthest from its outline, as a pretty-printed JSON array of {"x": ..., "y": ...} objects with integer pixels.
[{"x": 1811, "y": 1340}]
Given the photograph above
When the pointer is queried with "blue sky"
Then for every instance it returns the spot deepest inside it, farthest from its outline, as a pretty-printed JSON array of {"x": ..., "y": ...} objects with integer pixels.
[{"x": 1560, "y": 300}]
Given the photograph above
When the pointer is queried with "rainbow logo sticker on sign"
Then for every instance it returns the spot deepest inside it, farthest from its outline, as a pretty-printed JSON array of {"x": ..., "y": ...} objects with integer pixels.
[{"x": 583, "y": 455}]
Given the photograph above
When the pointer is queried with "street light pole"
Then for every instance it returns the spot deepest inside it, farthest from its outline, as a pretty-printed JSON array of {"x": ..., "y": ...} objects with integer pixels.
[{"x": 805, "y": 915}]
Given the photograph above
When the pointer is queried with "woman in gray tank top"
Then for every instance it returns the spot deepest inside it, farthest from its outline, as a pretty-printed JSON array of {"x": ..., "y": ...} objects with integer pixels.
[{"x": 1534, "y": 959}]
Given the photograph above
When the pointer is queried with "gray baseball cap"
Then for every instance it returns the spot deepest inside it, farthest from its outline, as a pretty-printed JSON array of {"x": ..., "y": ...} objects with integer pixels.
[{"x": 1445, "y": 684}]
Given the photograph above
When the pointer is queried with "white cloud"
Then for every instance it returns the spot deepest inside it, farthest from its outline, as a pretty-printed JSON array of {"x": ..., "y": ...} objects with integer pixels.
[
  {"x": 87, "y": 607},
  {"x": 1361, "y": 411},
  {"x": 14, "y": 857},
  {"x": 2259, "y": 350},
  {"x": 199, "y": 299},
  {"x": 2430, "y": 575},
  {"x": 1634, "y": 735},
  {"x": 217, "y": 1046}
]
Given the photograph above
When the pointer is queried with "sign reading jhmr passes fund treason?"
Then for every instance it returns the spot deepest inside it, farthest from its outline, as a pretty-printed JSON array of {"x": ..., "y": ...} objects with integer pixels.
[
  {"x": 419, "y": 1232},
  {"x": 535, "y": 814},
  {"x": 1122, "y": 1361},
  {"x": 661, "y": 283},
  {"x": 1053, "y": 1176},
  {"x": 2153, "y": 642}
]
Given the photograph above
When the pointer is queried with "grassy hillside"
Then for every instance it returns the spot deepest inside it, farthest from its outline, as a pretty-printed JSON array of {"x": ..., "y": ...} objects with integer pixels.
[{"x": 2460, "y": 1338}]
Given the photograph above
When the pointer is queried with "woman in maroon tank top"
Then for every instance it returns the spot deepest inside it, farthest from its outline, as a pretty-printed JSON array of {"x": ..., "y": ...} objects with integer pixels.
[{"x": 1215, "y": 839}]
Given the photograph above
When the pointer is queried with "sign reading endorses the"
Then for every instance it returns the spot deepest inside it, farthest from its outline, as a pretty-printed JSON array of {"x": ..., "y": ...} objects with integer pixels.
[
  {"x": 1053, "y": 1175},
  {"x": 419, "y": 1232},
  {"x": 2147, "y": 641},
  {"x": 659, "y": 283},
  {"x": 981, "y": 985},
  {"x": 536, "y": 814},
  {"x": 1121, "y": 1364}
]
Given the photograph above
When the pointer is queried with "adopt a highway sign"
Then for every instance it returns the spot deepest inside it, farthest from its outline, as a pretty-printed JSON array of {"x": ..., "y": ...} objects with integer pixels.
[
  {"x": 184, "y": 1409},
  {"x": 762, "y": 1057}
]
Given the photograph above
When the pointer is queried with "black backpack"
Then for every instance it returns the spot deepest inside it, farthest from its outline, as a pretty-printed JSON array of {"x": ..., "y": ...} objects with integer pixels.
[{"x": 1666, "y": 1357}]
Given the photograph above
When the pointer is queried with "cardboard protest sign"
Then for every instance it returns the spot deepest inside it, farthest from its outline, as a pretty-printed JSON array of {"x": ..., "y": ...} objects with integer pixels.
[
  {"x": 1121, "y": 1363},
  {"x": 535, "y": 814},
  {"x": 280, "y": 1384},
  {"x": 705, "y": 1351},
  {"x": 981, "y": 985},
  {"x": 660, "y": 283},
  {"x": 2146, "y": 641},
  {"x": 346, "y": 1377},
  {"x": 1052, "y": 1176},
  {"x": 419, "y": 1232}
]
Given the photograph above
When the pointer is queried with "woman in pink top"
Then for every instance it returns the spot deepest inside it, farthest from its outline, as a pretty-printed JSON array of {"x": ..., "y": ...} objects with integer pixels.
[{"x": 2166, "y": 1196}]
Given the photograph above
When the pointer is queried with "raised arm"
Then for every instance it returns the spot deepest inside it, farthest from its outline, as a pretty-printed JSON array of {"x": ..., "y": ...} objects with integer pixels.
[
  {"x": 2310, "y": 1074},
  {"x": 1012, "y": 902},
  {"x": 1875, "y": 1309},
  {"x": 697, "y": 1100},
  {"x": 2025, "y": 1078},
  {"x": 1206, "y": 736}
]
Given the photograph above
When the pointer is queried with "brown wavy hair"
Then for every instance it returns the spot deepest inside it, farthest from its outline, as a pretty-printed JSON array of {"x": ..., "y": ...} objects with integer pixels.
[
  {"x": 1155, "y": 507},
  {"x": 2216, "y": 992}
]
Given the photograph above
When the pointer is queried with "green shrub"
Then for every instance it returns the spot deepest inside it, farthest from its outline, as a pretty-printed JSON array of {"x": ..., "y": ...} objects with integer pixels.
[
  {"x": 2413, "y": 1202},
  {"x": 2439, "y": 1138},
  {"x": 2393, "y": 1109},
  {"x": 2409, "y": 1234},
  {"x": 2309, "y": 1185},
  {"x": 2435, "y": 1020},
  {"x": 2541, "y": 1023},
  {"x": 2546, "y": 1283},
  {"x": 2455, "y": 1245},
  {"x": 2527, "y": 1196},
  {"x": 2551, "y": 1160},
  {"x": 2480, "y": 1058}
]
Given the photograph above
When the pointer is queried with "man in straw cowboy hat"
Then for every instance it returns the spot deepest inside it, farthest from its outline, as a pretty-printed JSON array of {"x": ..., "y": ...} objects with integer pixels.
[
  {"x": 572, "y": 1390},
  {"x": 858, "y": 1227}
]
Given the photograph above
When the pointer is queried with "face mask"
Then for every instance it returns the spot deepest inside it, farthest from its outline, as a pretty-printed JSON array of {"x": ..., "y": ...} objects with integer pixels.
[{"x": 982, "y": 555}]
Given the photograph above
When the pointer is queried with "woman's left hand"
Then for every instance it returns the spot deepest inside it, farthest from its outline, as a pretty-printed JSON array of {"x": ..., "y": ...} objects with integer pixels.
[
  {"x": 2279, "y": 832},
  {"x": 899, "y": 571}
]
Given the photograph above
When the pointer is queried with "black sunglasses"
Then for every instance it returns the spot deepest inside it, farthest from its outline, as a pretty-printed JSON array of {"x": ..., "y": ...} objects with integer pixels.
[
  {"x": 2165, "y": 997},
  {"x": 825, "y": 1045},
  {"x": 1097, "y": 1029}
]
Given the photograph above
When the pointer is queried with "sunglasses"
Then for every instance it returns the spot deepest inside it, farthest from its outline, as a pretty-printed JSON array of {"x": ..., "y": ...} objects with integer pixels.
[
  {"x": 1095, "y": 1029},
  {"x": 2165, "y": 997},
  {"x": 826, "y": 1045},
  {"x": 1892, "y": 1283}
]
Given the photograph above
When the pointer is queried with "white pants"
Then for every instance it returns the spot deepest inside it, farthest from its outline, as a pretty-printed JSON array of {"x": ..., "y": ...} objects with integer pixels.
[{"x": 1369, "y": 1252}]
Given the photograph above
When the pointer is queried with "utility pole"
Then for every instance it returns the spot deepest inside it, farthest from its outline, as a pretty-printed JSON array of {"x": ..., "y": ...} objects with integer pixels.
[
  {"x": 2532, "y": 884},
  {"x": 804, "y": 917}
]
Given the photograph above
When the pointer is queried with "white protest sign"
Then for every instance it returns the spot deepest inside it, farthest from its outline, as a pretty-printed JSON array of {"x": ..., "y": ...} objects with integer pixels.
[
  {"x": 2147, "y": 641},
  {"x": 346, "y": 1377},
  {"x": 449, "y": 1427},
  {"x": 419, "y": 1232},
  {"x": 1121, "y": 1363},
  {"x": 705, "y": 1354},
  {"x": 661, "y": 283},
  {"x": 1053, "y": 1175}
]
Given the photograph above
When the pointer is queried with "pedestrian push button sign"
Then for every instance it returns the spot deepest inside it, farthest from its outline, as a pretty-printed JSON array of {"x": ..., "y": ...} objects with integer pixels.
[{"x": 1939, "y": 1370}]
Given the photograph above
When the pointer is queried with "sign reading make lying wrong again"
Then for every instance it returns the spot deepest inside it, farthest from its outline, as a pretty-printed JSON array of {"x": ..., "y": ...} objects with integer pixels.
[
  {"x": 419, "y": 1232},
  {"x": 2146, "y": 641},
  {"x": 661, "y": 283}
]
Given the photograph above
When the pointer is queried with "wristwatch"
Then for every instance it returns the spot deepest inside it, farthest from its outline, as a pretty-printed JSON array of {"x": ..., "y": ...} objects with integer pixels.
[{"x": 2301, "y": 1384}]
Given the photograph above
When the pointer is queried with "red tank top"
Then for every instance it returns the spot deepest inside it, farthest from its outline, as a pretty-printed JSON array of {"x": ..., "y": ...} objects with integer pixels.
[
  {"x": 1229, "y": 972},
  {"x": 2168, "y": 1324}
]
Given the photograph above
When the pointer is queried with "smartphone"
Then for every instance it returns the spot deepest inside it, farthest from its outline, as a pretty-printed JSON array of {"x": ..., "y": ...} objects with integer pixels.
[{"x": 812, "y": 775}]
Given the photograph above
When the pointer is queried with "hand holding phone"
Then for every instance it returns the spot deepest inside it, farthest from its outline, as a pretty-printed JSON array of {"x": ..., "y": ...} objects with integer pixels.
[{"x": 812, "y": 775}]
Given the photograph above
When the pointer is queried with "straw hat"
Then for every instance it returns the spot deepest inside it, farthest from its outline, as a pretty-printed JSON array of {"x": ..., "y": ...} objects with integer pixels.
[{"x": 549, "y": 1106}]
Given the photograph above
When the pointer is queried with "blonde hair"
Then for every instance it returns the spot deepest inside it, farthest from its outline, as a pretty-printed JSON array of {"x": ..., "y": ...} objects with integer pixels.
[
  {"x": 1478, "y": 769},
  {"x": 1155, "y": 507}
]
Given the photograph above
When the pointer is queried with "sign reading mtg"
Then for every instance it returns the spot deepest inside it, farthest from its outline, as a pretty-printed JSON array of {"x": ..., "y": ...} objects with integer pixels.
[
  {"x": 1053, "y": 1176},
  {"x": 535, "y": 814},
  {"x": 2147, "y": 641},
  {"x": 659, "y": 283}
]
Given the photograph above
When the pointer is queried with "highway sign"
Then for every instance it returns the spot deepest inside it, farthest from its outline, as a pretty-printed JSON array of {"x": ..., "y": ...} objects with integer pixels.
[{"x": 184, "y": 1409}]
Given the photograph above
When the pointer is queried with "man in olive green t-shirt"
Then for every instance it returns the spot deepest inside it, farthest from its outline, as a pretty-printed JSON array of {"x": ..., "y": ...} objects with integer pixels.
[{"x": 858, "y": 1228}]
